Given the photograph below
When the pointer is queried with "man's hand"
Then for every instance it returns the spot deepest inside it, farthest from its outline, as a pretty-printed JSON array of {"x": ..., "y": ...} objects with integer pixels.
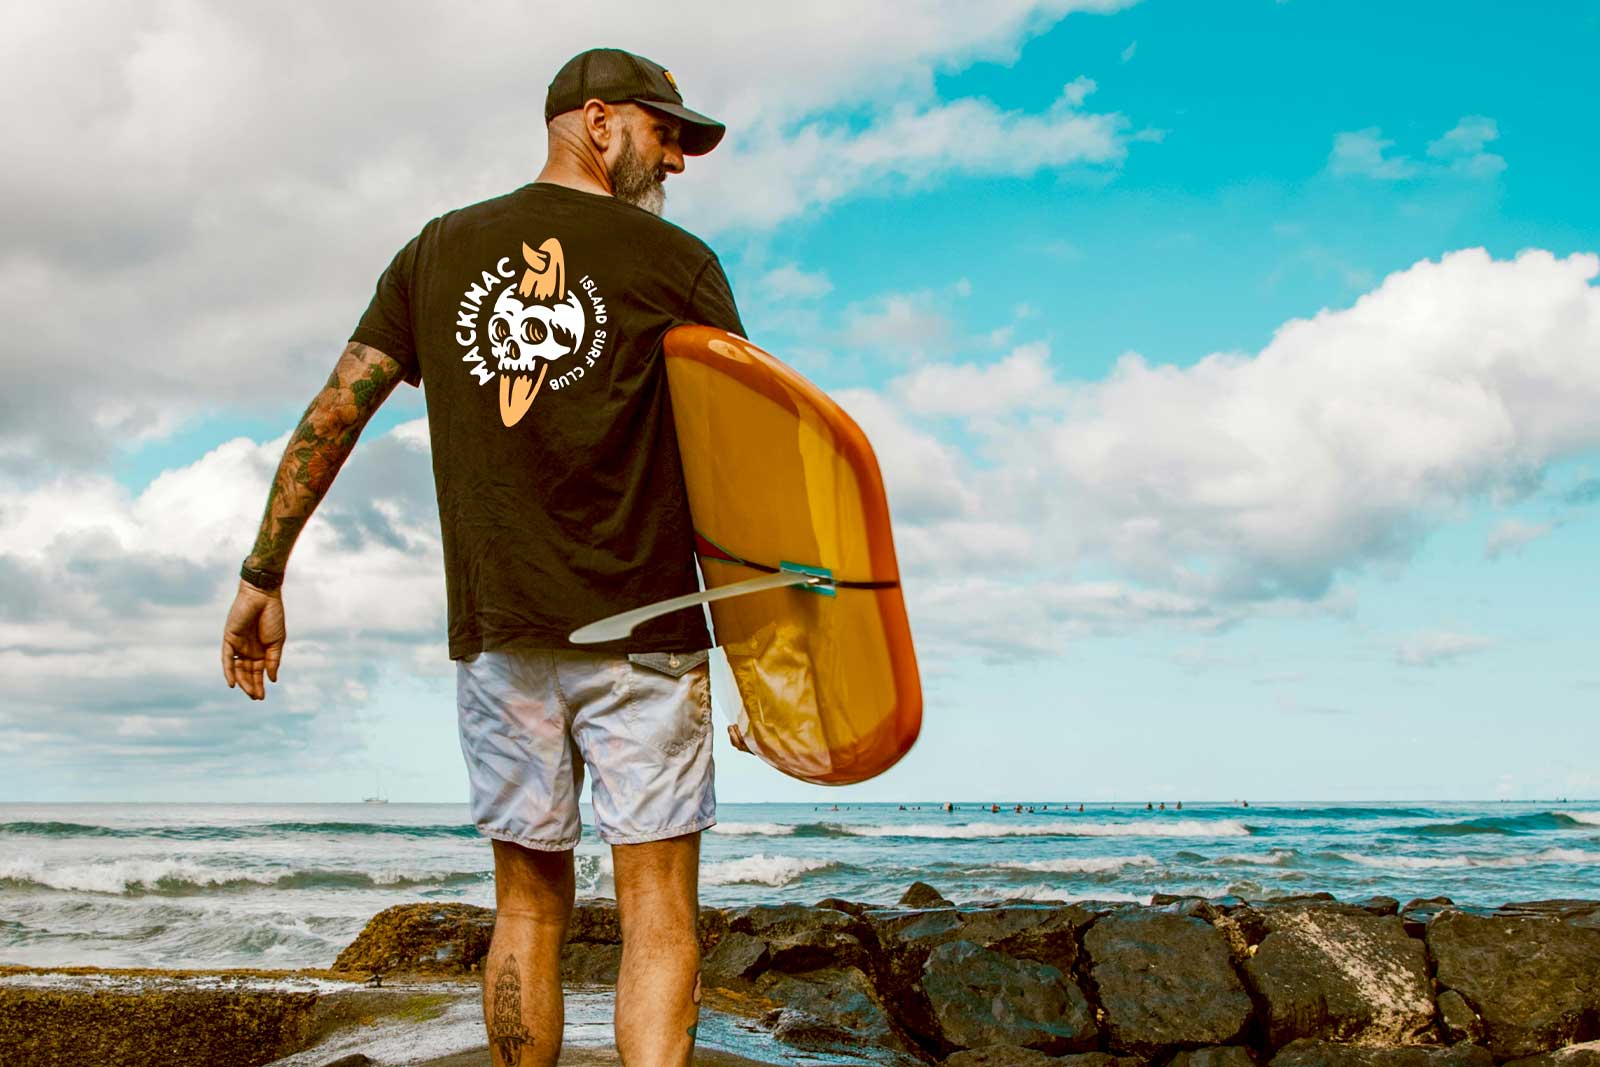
[{"x": 252, "y": 639}]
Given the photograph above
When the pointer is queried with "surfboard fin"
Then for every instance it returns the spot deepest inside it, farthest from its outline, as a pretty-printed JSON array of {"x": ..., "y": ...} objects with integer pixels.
[{"x": 616, "y": 627}]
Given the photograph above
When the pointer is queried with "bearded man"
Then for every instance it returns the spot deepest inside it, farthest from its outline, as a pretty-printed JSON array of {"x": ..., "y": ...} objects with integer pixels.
[{"x": 535, "y": 320}]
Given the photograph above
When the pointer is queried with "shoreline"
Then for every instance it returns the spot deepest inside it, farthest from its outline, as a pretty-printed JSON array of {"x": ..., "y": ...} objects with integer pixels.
[{"x": 1307, "y": 981}]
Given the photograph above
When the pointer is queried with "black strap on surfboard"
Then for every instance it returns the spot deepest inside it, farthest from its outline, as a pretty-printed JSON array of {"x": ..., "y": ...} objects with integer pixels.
[{"x": 711, "y": 550}]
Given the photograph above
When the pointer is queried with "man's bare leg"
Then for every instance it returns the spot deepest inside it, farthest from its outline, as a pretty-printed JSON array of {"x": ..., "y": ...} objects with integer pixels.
[
  {"x": 522, "y": 1005},
  {"x": 658, "y": 987}
]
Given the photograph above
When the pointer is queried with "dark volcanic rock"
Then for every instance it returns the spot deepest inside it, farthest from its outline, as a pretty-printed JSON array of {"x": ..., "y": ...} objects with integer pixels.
[
  {"x": 152, "y": 1027},
  {"x": 1164, "y": 981},
  {"x": 421, "y": 939},
  {"x": 737, "y": 956},
  {"x": 840, "y": 997},
  {"x": 1379, "y": 905},
  {"x": 1534, "y": 981},
  {"x": 1458, "y": 1020},
  {"x": 806, "y": 1031},
  {"x": 849, "y": 906},
  {"x": 1308, "y": 1052},
  {"x": 923, "y": 895},
  {"x": 1585, "y": 1055},
  {"x": 1001, "y": 1056},
  {"x": 1576, "y": 912},
  {"x": 355, "y": 1059},
  {"x": 1417, "y": 912},
  {"x": 589, "y": 963},
  {"x": 596, "y": 921},
  {"x": 1341, "y": 974},
  {"x": 1214, "y": 1056},
  {"x": 809, "y": 950},
  {"x": 979, "y": 997},
  {"x": 768, "y": 921}
]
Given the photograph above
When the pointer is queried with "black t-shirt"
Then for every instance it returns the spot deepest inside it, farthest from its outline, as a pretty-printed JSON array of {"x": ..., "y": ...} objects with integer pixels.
[{"x": 536, "y": 321}]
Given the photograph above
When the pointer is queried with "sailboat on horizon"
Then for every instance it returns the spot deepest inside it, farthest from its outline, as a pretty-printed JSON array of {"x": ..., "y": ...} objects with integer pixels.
[{"x": 377, "y": 797}]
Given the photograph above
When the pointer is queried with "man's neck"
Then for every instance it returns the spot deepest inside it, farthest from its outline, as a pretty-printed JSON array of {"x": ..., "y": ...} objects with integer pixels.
[{"x": 586, "y": 176}]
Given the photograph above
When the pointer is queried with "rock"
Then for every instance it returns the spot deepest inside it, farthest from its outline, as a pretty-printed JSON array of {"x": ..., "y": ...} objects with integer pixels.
[
  {"x": 711, "y": 925},
  {"x": 847, "y": 906},
  {"x": 1308, "y": 1052},
  {"x": 589, "y": 963},
  {"x": 767, "y": 921},
  {"x": 1575, "y": 912},
  {"x": 1098, "y": 1059},
  {"x": 1341, "y": 974},
  {"x": 796, "y": 1028},
  {"x": 1417, "y": 912},
  {"x": 923, "y": 895},
  {"x": 1214, "y": 1056},
  {"x": 1534, "y": 981},
  {"x": 1458, "y": 1020},
  {"x": 801, "y": 938},
  {"x": 1379, "y": 905},
  {"x": 1000, "y": 1056},
  {"x": 421, "y": 939},
  {"x": 1164, "y": 981},
  {"x": 1585, "y": 1055},
  {"x": 355, "y": 1059},
  {"x": 1194, "y": 907},
  {"x": 840, "y": 997},
  {"x": 979, "y": 997},
  {"x": 737, "y": 956},
  {"x": 157, "y": 1024},
  {"x": 595, "y": 921}
]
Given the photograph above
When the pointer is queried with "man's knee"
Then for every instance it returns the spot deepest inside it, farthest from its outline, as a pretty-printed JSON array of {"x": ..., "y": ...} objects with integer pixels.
[
  {"x": 533, "y": 885},
  {"x": 658, "y": 886}
]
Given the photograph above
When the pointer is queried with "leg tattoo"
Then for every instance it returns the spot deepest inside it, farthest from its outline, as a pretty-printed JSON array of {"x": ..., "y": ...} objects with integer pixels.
[
  {"x": 507, "y": 1035},
  {"x": 694, "y": 1027}
]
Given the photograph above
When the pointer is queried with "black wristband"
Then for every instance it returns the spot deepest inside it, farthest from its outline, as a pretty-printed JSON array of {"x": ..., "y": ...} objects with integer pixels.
[{"x": 265, "y": 580}]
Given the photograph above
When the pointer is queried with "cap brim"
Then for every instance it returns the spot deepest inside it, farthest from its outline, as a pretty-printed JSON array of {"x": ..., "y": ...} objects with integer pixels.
[{"x": 700, "y": 133}]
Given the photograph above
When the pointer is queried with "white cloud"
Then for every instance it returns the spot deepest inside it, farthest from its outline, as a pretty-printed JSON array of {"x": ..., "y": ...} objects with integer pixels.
[
  {"x": 1363, "y": 152},
  {"x": 1021, "y": 380},
  {"x": 901, "y": 325},
  {"x": 1512, "y": 535},
  {"x": 113, "y": 648},
  {"x": 1460, "y": 150},
  {"x": 1245, "y": 483},
  {"x": 267, "y": 167},
  {"x": 1438, "y": 647},
  {"x": 789, "y": 282},
  {"x": 1128, "y": 52}
]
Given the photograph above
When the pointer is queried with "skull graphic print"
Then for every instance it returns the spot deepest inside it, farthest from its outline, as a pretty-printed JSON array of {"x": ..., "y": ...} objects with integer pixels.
[{"x": 536, "y": 321}]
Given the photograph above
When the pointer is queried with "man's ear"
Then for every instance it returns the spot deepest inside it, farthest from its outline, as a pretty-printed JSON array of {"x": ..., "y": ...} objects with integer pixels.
[{"x": 600, "y": 123}]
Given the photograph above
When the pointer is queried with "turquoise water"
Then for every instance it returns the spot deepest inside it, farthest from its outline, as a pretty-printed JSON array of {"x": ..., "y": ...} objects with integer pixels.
[{"x": 290, "y": 885}]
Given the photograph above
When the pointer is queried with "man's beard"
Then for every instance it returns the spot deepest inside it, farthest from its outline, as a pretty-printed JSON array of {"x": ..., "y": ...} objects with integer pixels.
[{"x": 634, "y": 183}]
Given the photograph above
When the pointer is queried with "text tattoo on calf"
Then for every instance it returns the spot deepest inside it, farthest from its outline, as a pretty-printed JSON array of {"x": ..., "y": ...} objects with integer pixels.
[
  {"x": 507, "y": 1035},
  {"x": 327, "y": 432}
]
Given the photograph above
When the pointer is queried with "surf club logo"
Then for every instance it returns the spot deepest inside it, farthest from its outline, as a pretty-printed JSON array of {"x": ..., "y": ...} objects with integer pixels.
[{"x": 535, "y": 323}]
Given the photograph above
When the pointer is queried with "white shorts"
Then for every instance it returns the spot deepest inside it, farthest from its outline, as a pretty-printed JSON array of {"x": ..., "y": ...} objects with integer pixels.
[{"x": 532, "y": 718}]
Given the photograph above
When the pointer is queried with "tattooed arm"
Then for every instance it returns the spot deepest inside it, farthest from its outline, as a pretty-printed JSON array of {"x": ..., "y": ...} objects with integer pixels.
[{"x": 254, "y": 632}]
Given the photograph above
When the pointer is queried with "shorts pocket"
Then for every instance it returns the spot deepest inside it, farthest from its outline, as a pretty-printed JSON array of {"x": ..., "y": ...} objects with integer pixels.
[
  {"x": 668, "y": 706},
  {"x": 673, "y": 664}
]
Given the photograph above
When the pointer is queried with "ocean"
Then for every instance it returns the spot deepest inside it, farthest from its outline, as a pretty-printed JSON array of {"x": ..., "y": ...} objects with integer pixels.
[{"x": 157, "y": 885}]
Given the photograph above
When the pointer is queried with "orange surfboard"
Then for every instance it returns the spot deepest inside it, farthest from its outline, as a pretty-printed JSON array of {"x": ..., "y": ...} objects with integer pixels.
[{"x": 780, "y": 479}]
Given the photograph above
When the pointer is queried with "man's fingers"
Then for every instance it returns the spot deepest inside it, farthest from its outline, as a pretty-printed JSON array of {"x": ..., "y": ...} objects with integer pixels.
[
  {"x": 274, "y": 659},
  {"x": 227, "y": 664}
]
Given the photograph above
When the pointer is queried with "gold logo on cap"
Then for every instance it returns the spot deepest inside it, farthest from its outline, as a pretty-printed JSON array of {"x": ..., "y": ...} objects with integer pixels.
[{"x": 672, "y": 81}]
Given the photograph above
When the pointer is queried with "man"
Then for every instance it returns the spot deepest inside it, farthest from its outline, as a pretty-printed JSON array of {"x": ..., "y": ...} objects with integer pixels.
[{"x": 536, "y": 322}]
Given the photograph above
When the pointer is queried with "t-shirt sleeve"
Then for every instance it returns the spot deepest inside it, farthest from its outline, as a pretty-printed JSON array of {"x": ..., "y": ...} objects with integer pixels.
[
  {"x": 386, "y": 325},
  {"x": 711, "y": 300}
]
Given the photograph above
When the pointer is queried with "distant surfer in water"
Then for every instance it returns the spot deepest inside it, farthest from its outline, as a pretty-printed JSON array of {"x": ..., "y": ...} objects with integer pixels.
[{"x": 536, "y": 321}]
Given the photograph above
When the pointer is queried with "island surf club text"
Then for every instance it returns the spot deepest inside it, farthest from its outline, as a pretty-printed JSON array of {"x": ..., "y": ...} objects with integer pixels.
[{"x": 472, "y": 308}]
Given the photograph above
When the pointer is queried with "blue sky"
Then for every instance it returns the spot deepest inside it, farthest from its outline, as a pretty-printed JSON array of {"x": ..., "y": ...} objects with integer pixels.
[{"x": 1222, "y": 464}]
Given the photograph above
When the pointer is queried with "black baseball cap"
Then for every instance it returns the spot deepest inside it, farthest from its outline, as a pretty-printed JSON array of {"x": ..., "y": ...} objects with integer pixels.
[{"x": 615, "y": 76}]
